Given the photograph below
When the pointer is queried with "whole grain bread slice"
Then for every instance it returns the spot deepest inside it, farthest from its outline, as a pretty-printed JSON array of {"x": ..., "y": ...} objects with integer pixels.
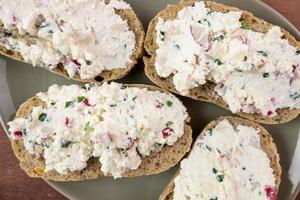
[
  {"x": 206, "y": 92},
  {"x": 134, "y": 25},
  {"x": 266, "y": 142},
  {"x": 156, "y": 162}
]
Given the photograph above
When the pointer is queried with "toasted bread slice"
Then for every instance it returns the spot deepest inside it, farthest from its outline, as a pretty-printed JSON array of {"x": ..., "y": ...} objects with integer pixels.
[
  {"x": 267, "y": 145},
  {"x": 206, "y": 92},
  {"x": 156, "y": 162},
  {"x": 134, "y": 25}
]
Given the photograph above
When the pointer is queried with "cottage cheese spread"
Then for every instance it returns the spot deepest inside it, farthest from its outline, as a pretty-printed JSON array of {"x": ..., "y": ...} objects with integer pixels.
[
  {"x": 116, "y": 123},
  {"x": 221, "y": 166},
  {"x": 87, "y": 37},
  {"x": 254, "y": 72}
]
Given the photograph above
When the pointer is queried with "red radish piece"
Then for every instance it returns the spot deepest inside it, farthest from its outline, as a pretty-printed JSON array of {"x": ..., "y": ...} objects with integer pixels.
[
  {"x": 18, "y": 134},
  {"x": 68, "y": 122},
  {"x": 269, "y": 113},
  {"x": 271, "y": 192},
  {"x": 167, "y": 132}
]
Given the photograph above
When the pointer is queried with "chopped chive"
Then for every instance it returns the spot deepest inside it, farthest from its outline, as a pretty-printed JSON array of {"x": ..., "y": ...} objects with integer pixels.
[
  {"x": 169, "y": 123},
  {"x": 219, "y": 38},
  {"x": 209, "y": 12},
  {"x": 42, "y": 117},
  {"x": 297, "y": 52},
  {"x": 162, "y": 35},
  {"x": 295, "y": 95},
  {"x": 207, "y": 147},
  {"x": 220, "y": 178},
  {"x": 69, "y": 104},
  {"x": 216, "y": 198},
  {"x": 177, "y": 46},
  {"x": 66, "y": 144},
  {"x": 169, "y": 103},
  {"x": 210, "y": 131},
  {"x": 113, "y": 105},
  {"x": 244, "y": 168},
  {"x": 214, "y": 170},
  {"x": 266, "y": 75},
  {"x": 218, "y": 61},
  {"x": 245, "y": 25},
  {"x": 134, "y": 98},
  {"x": 124, "y": 87},
  {"x": 7, "y": 35},
  {"x": 52, "y": 103},
  {"x": 158, "y": 145},
  {"x": 80, "y": 99},
  {"x": 88, "y": 62},
  {"x": 88, "y": 87},
  {"x": 263, "y": 53},
  {"x": 245, "y": 58}
]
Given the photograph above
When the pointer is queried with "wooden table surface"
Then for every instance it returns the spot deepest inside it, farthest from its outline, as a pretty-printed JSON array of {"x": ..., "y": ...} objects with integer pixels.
[{"x": 15, "y": 185}]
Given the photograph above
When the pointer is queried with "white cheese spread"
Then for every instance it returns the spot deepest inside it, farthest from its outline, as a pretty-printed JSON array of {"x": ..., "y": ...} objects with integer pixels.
[
  {"x": 221, "y": 166},
  {"x": 254, "y": 72},
  {"x": 116, "y": 123},
  {"x": 85, "y": 36}
]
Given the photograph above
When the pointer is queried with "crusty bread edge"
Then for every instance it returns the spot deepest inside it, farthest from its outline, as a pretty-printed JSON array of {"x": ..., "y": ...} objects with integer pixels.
[
  {"x": 206, "y": 92},
  {"x": 134, "y": 24},
  {"x": 266, "y": 142},
  {"x": 156, "y": 162}
]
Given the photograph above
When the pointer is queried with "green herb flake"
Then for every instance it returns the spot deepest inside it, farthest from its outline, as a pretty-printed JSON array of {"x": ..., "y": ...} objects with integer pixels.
[
  {"x": 245, "y": 25},
  {"x": 266, "y": 75},
  {"x": 169, "y": 103},
  {"x": 113, "y": 105},
  {"x": 295, "y": 95},
  {"x": 88, "y": 62},
  {"x": 297, "y": 52},
  {"x": 209, "y": 12},
  {"x": 219, "y": 38},
  {"x": 259, "y": 193},
  {"x": 134, "y": 98},
  {"x": 263, "y": 53},
  {"x": 243, "y": 168},
  {"x": 208, "y": 147},
  {"x": 210, "y": 131},
  {"x": 42, "y": 117},
  {"x": 80, "y": 99},
  {"x": 220, "y": 178},
  {"x": 52, "y": 103},
  {"x": 169, "y": 123},
  {"x": 158, "y": 145},
  {"x": 245, "y": 58},
  {"x": 44, "y": 25},
  {"x": 216, "y": 198},
  {"x": 177, "y": 46},
  {"x": 69, "y": 104},
  {"x": 218, "y": 61},
  {"x": 162, "y": 35},
  {"x": 89, "y": 86},
  {"x": 66, "y": 144},
  {"x": 124, "y": 87},
  {"x": 214, "y": 170}
]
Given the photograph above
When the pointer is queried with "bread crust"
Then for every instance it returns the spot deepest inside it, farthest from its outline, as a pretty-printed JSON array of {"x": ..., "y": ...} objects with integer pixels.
[
  {"x": 156, "y": 162},
  {"x": 206, "y": 92},
  {"x": 134, "y": 25},
  {"x": 266, "y": 142}
]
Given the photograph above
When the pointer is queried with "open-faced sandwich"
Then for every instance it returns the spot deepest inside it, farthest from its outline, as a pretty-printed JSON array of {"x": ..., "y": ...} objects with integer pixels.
[
  {"x": 232, "y": 159},
  {"x": 220, "y": 54},
  {"x": 86, "y": 40},
  {"x": 73, "y": 133}
]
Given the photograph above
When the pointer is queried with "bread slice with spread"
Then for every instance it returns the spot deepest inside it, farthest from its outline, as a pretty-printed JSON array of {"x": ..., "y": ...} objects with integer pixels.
[
  {"x": 220, "y": 54},
  {"x": 85, "y": 40},
  {"x": 232, "y": 158},
  {"x": 73, "y": 133}
]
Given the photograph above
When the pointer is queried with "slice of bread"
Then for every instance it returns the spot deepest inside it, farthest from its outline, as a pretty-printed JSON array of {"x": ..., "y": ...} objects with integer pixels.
[
  {"x": 134, "y": 25},
  {"x": 206, "y": 92},
  {"x": 156, "y": 162},
  {"x": 267, "y": 145}
]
